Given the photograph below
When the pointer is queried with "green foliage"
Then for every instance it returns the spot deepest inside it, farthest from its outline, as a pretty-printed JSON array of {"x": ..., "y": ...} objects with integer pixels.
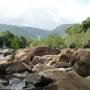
[
  {"x": 54, "y": 41},
  {"x": 15, "y": 44},
  {"x": 23, "y": 42},
  {"x": 73, "y": 29},
  {"x": 85, "y": 25},
  {"x": 51, "y": 41},
  {"x": 78, "y": 35},
  {"x": 75, "y": 39},
  {"x": 34, "y": 43},
  {"x": 9, "y": 40}
]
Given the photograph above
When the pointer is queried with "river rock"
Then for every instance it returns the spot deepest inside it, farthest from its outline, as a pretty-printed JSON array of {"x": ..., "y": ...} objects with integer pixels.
[
  {"x": 19, "y": 67},
  {"x": 44, "y": 50},
  {"x": 29, "y": 53},
  {"x": 41, "y": 67},
  {"x": 62, "y": 65},
  {"x": 62, "y": 80},
  {"x": 38, "y": 59},
  {"x": 80, "y": 62}
]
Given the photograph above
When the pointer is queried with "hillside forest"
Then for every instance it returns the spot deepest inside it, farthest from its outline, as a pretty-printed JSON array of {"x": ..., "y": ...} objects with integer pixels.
[{"x": 76, "y": 36}]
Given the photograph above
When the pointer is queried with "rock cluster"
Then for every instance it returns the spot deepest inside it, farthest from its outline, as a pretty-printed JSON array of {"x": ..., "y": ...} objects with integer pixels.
[{"x": 44, "y": 68}]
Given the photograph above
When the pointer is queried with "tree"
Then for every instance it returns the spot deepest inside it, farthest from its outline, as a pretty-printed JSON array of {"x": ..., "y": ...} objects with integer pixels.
[
  {"x": 85, "y": 25},
  {"x": 8, "y": 40},
  {"x": 74, "y": 37},
  {"x": 23, "y": 42},
  {"x": 74, "y": 29},
  {"x": 5, "y": 38},
  {"x": 35, "y": 43},
  {"x": 1, "y": 42},
  {"x": 15, "y": 44},
  {"x": 54, "y": 41}
]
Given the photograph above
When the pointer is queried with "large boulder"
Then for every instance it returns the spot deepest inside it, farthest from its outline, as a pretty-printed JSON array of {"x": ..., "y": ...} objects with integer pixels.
[
  {"x": 62, "y": 80},
  {"x": 24, "y": 54},
  {"x": 80, "y": 62},
  {"x": 29, "y": 53},
  {"x": 52, "y": 60},
  {"x": 44, "y": 50}
]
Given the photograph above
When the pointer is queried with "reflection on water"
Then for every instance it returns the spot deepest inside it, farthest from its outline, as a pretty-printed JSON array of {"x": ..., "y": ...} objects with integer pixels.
[
  {"x": 1, "y": 56},
  {"x": 17, "y": 84},
  {"x": 13, "y": 84}
]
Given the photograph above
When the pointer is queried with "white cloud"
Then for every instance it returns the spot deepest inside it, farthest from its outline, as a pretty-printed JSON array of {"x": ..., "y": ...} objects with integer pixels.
[{"x": 45, "y": 14}]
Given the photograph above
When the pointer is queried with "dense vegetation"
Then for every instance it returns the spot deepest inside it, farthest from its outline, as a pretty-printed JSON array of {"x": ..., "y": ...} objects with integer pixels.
[
  {"x": 8, "y": 40},
  {"x": 77, "y": 36}
]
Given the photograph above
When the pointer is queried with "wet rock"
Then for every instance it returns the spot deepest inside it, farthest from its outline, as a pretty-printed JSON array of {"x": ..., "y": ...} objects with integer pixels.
[
  {"x": 20, "y": 75},
  {"x": 29, "y": 87},
  {"x": 12, "y": 84}
]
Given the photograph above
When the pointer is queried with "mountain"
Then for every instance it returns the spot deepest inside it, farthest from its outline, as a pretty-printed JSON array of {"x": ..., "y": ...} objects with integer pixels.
[
  {"x": 60, "y": 30},
  {"x": 32, "y": 32},
  {"x": 24, "y": 31}
]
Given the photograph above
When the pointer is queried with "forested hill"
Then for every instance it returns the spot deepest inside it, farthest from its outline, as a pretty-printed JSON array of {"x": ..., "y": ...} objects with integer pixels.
[
  {"x": 24, "y": 31},
  {"x": 60, "y": 30},
  {"x": 32, "y": 32}
]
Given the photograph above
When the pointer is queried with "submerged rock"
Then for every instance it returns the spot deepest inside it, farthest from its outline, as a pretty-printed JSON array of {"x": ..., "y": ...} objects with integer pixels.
[{"x": 20, "y": 75}]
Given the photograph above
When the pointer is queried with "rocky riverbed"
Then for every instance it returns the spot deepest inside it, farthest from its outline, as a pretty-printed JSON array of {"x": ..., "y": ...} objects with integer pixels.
[{"x": 44, "y": 68}]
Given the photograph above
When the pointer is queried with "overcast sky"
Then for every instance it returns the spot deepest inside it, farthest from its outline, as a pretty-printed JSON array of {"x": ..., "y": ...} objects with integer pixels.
[{"x": 45, "y": 14}]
